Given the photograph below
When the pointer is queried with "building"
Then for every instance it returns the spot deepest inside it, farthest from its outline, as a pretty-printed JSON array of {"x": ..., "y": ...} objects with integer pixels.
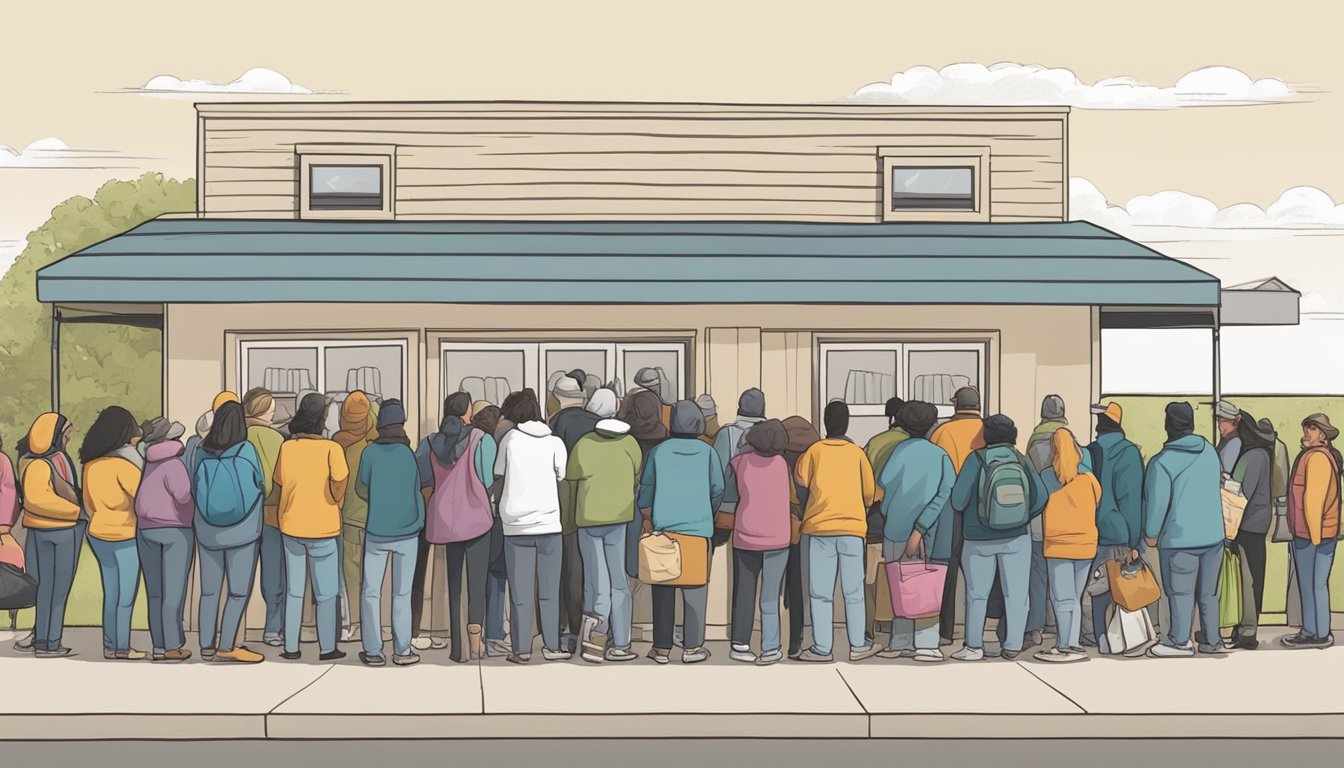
[{"x": 848, "y": 251}]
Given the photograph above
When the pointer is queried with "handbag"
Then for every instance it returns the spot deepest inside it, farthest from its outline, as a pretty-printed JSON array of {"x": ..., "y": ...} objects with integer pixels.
[
  {"x": 1234, "y": 507},
  {"x": 1283, "y": 532},
  {"x": 659, "y": 559},
  {"x": 1127, "y": 632},
  {"x": 1133, "y": 587},
  {"x": 693, "y": 553},
  {"x": 1229, "y": 589},
  {"x": 17, "y": 588},
  {"x": 916, "y": 588},
  {"x": 1099, "y": 583}
]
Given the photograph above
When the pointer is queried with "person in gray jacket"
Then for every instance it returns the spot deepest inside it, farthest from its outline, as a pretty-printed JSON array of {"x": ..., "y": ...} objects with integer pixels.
[{"x": 1253, "y": 469}]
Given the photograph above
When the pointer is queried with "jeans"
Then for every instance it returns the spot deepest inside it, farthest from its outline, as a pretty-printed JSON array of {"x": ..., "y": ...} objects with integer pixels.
[
  {"x": 1010, "y": 560},
  {"x": 795, "y": 598},
  {"x": 496, "y": 580},
  {"x": 694, "y": 602},
  {"x": 748, "y": 566},
  {"x": 377, "y": 551},
  {"x": 119, "y": 564},
  {"x": 1312, "y": 563},
  {"x": 571, "y": 585},
  {"x": 534, "y": 584},
  {"x": 475, "y": 555},
  {"x": 920, "y": 634},
  {"x": 827, "y": 557},
  {"x": 1190, "y": 576},
  {"x": 1067, "y": 580},
  {"x": 1038, "y": 591},
  {"x": 235, "y": 569},
  {"x": 606, "y": 590},
  {"x": 166, "y": 555},
  {"x": 352, "y": 558},
  {"x": 273, "y": 581},
  {"x": 1251, "y": 546},
  {"x": 324, "y": 568},
  {"x": 55, "y": 556}
]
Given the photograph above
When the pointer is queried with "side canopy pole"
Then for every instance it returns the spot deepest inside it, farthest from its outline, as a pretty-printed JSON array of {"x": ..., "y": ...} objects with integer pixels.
[
  {"x": 55, "y": 359},
  {"x": 1217, "y": 366}
]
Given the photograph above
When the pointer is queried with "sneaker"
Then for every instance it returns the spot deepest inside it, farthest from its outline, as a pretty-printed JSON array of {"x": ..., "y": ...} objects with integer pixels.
[
  {"x": 406, "y": 660},
  {"x": 519, "y": 658},
  {"x": 549, "y": 655},
  {"x": 287, "y": 655},
  {"x": 25, "y": 643},
  {"x": 335, "y": 655},
  {"x": 895, "y": 653},
  {"x": 621, "y": 654},
  {"x": 928, "y": 655},
  {"x": 209, "y": 653},
  {"x": 811, "y": 655},
  {"x": 569, "y": 643},
  {"x": 438, "y": 643},
  {"x": 1303, "y": 640},
  {"x": 1077, "y": 654},
  {"x": 770, "y": 657},
  {"x": 595, "y": 647},
  {"x": 372, "y": 661},
  {"x": 1009, "y": 655},
  {"x": 1060, "y": 655},
  {"x": 796, "y": 654},
  {"x": 275, "y": 641},
  {"x": 494, "y": 649},
  {"x": 659, "y": 655},
  {"x": 173, "y": 656},
  {"x": 743, "y": 654},
  {"x": 1213, "y": 650},
  {"x": 130, "y": 654},
  {"x": 1032, "y": 639},
  {"x": 241, "y": 655},
  {"x": 421, "y": 643},
  {"x": 55, "y": 653},
  {"x": 967, "y": 653},
  {"x": 1164, "y": 651},
  {"x": 695, "y": 655},
  {"x": 866, "y": 652}
]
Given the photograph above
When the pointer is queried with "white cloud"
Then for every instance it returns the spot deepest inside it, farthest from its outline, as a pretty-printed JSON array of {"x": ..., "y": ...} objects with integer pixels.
[
  {"x": 255, "y": 80},
  {"x": 51, "y": 152},
  {"x": 1298, "y": 209},
  {"x": 1008, "y": 83}
]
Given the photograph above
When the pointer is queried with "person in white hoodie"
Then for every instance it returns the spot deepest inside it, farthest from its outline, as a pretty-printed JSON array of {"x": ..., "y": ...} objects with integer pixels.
[{"x": 531, "y": 461}]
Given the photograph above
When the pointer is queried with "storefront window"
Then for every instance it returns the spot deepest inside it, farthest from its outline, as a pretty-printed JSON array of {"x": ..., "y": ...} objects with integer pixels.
[
  {"x": 334, "y": 368},
  {"x": 485, "y": 374}
]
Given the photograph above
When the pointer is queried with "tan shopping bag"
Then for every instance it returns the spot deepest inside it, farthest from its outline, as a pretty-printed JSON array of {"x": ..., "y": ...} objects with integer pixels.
[
  {"x": 659, "y": 559},
  {"x": 1234, "y": 506}
]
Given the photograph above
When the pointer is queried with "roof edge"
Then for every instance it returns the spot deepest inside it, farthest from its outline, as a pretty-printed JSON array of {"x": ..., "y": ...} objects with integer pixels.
[{"x": 611, "y": 107}]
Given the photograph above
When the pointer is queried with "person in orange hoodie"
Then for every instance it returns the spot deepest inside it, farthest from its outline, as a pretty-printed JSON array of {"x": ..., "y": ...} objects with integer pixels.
[
  {"x": 1313, "y": 515},
  {"x": 1070, "y": 529},
  {"x": 53, "y": 515},
  {"x": 960, "y": 437},
  {"x": 111, "y": 479},
  {"x": 359, "y": 428}
]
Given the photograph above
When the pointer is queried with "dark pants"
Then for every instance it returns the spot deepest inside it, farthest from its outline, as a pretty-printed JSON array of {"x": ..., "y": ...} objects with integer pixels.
[
  {"x": 749, "y": 567},
  {"x": 1251, "y": 546},
  {"x": 795, "y": 599},
  {"x": 693, "y": 602},
  {"x": 497, "y": 579},
  {"x": 571, "y": 585},
  {"x": 475, "y": 554},
  {"x": 947, "y": 617},
  {"x": 54, "y": 558},
  {"x": 422, "y": 551}
]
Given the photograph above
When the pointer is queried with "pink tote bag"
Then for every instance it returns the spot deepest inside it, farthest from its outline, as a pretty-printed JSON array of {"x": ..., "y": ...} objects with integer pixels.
[
  {"x": 916, "y": 588},
  {"x": 11, "y": 552}
]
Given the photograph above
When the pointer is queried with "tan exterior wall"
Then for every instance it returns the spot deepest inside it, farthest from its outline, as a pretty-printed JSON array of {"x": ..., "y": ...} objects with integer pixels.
[{"x": 632, "y": 161}]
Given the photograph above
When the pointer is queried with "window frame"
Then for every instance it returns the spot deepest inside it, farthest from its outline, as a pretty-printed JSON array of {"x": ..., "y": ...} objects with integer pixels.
[
  {"x": 321, "y": 345},
  {"x": 346, "y": 155},
  {"x": 975, "y": 158},
  {"x": 902, "y": 347}
]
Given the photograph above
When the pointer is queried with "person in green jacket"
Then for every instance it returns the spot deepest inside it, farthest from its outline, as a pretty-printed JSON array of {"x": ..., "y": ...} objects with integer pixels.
[
  {"x": 259, "y": 410},
  {"x": 389, "y": 481},
  {"x": 603, "y": 473}
]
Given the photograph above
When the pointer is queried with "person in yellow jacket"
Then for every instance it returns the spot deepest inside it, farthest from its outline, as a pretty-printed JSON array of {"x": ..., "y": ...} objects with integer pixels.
[
  {"x": 111, "y": 479},
  {"x": 312, "y": 475},
  {"x": 1069, "y": 523},
  {"x": 837, "y": 479},
  {"x": 1313, "y": 516},
  {"x": 963, "y": 435},
  {"x": 359, "y": 428},
  {"x": 53, "y": 515},
  {"x": 259, "y": 410}
]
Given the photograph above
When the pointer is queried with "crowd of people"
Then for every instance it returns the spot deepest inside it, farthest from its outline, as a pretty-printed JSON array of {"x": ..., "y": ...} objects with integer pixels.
[{"x": 543, "y": 521}]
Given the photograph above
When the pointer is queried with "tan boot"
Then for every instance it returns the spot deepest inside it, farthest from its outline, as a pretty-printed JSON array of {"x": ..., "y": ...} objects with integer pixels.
[
  {"x": 240, "y": 655},
  {"x": 476, "y": 648}
]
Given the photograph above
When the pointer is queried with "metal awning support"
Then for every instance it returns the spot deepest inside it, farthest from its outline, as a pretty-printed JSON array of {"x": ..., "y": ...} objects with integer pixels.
[{"x": 143, "y": 320}]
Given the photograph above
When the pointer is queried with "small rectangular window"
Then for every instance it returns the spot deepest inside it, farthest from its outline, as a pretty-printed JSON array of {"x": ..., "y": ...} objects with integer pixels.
[
  {"x": 932, "y": 189},
  {"x": 345, "y": 187}
]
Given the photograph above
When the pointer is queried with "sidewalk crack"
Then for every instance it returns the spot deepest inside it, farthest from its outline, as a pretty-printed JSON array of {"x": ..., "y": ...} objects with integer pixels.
[
  {"x": 867, "y": 716},
  {"x": 1066, "y": 697},
  {"x": 296, "y": 693}
]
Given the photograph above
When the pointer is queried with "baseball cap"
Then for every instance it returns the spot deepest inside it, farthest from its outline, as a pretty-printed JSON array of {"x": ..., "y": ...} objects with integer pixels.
[{"x": 1112, "y": 411}]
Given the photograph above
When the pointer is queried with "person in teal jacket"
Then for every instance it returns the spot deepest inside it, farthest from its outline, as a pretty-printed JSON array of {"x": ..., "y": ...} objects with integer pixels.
[
  {"x": 1183, "y": 518},
  {"x": 389, "y": 480},
  {"x": 679, "y": 492},
  {"x": 1118, "y": 466},
  {"x": 916, "y": 482}
]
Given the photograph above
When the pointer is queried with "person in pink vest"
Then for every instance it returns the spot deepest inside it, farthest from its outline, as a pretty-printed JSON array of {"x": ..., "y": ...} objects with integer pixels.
[{"x": 457, "y": 466}]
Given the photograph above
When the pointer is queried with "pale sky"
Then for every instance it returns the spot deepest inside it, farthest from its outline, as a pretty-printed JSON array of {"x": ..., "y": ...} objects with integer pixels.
[{"x": 66, "y": 86}]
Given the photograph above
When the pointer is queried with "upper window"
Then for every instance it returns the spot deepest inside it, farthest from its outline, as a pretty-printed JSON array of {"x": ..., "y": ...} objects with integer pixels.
[
  {"x": 345, "y": 182},
  {"x": 935, "y": 184}
]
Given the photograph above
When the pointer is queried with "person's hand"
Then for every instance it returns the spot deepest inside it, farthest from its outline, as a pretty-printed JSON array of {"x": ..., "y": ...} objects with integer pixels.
[
  {"x": 1150, "y": 542},
  {"x": 1133, "y": 555},
  {"x": 647, "y": 529},
  {"x": 912, "y": 543}
]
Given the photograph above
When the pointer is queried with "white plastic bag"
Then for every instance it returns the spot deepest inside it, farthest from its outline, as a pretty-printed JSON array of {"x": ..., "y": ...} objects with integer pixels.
[{"x": 1127, "y": 632}]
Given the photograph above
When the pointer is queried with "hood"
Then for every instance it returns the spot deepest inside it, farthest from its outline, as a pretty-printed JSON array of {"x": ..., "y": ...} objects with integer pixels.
[
  {"x": 612, "y": 428},
  {"x": 168, "y": 449},
  {"x": 129, "y": 453},
  {"x": 687, "y": 420},
  {"x": 1180, "y": 421},
  {"x": 602, "y": 404},
  {"x": 751, "y": 404},
  {"x": 535, "y": 429},
  {"x": 451, "y": 440},
  {"x": 801, "y": 434},
  {"x": 44, "y": 435},
  {"x": 356, "y": 420},
  {"x": 1191, "y": 444},
  {"x": 644, "y": 413}
]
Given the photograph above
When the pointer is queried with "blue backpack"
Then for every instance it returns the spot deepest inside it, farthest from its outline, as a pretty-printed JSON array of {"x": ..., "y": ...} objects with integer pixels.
[
  {"x": 223, "y": 496},
  {"x": 1005, "y": 490}
]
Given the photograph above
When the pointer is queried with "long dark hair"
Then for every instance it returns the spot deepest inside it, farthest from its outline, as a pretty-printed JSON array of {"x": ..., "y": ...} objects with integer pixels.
[
  {"x": 311, "y": 416},
  {"x": 522, "y": 406},
  {"x": 114, "y": 428},
  {"x": 229, "y": 429}
]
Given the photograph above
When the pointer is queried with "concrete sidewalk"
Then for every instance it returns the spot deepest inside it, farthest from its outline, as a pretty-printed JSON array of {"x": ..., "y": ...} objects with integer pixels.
[{"x": 1269, "y": 693}]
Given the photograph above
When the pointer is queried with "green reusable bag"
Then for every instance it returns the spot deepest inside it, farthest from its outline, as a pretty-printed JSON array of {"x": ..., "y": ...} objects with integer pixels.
[{"x": 1229, "y": 589}]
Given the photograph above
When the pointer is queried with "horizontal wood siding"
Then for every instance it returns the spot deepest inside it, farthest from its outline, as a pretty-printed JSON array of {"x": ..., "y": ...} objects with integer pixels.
[{"x": 636, "y": 162}]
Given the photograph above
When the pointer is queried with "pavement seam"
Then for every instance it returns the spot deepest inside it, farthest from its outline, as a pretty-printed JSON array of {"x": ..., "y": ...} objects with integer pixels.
[
  {"x": 286, "y": 700},
  {"x": 1066, "y": 697},
  {"x": 867, "y": 716}
]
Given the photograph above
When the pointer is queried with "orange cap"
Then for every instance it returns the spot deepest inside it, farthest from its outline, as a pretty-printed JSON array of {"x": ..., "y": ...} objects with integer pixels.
[
  {"x": 224, "y": 397},
  {"x": 1112, "y": 411}
]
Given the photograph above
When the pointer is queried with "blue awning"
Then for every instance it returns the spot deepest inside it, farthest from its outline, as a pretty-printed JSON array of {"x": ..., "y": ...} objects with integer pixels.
[{"x": 174, "y": 261}]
